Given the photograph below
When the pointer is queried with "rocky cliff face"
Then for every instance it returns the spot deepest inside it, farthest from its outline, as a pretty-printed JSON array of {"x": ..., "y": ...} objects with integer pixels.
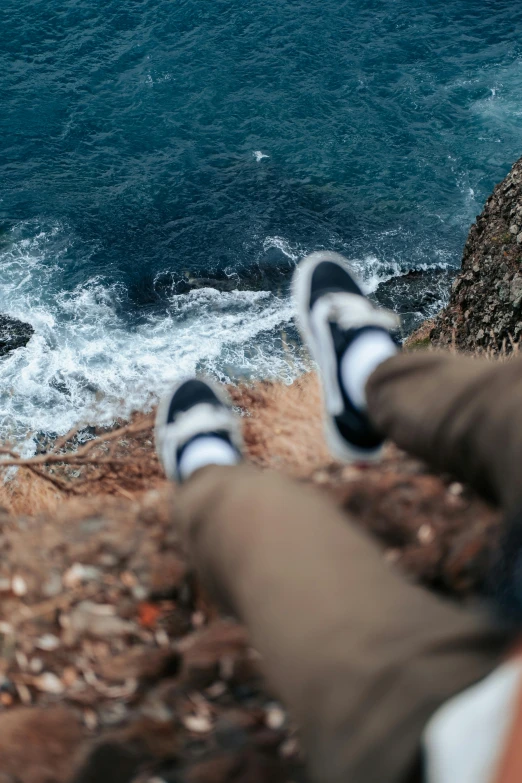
[{"x": 485, "y": 308}]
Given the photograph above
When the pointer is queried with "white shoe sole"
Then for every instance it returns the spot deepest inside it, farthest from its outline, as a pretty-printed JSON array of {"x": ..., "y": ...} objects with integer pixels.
[{"x": 301, "y": 285}]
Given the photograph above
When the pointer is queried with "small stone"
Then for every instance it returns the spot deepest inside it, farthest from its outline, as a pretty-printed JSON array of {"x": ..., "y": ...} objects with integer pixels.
[
  {"x": 425, "y": 534},
  {"x": 456, "y": 488},
  {"x": 90, "y": 720},
  {"x": 48, "y": 683},
  {"x": 514, "y": 229},
  {"x": 36, "y": 665},
  {"x": 21, "y": 660},
  {"x": 519, "y": 238},
  {"x": 199, "y": 724},
  {"x": 48, "y": 642},
  {"x": 275, "y": 717},
  {"x": 69, "y": 676},
  {"x": 78, "y": 574},
  {"x": 139, "y": 593},
  {"x": 128, "y": 579},
  {"x": 19, "y": 586},
  {"x": 289, "y": 748},
  {"x": 24, "y": 694},
  {"x": 216, "y": 690}
]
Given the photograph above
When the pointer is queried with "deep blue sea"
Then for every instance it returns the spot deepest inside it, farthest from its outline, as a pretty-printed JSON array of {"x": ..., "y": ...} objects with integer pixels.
[{"x": 145, "y": 143}]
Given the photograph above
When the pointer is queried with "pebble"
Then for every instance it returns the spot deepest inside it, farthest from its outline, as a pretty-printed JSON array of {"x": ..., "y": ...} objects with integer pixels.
[
  {"x": 48, "y": 642},
  {"x": 70, "y": 675},
  {"x": 48, "y": 683},
  {"x": 199, "y": 724},
  {"x": 456, "y": 488},
  {"x": 275, "y": 717},
  {"x": 78, "y": 574},
  {"x": 19, "y": 586},
  {"x": 36, "y": 665},
  {"x": 24, "y": 694},
  {"x": 90, "y": 720},
  {"x": 425, "y": 534}
]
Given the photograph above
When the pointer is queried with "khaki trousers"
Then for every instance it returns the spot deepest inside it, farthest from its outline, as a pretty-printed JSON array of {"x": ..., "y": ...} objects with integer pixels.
[{"x": 361, "y": 657}]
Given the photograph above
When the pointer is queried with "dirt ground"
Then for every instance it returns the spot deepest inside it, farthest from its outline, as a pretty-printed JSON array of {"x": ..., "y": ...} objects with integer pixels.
[{"x": 114, "y": 664}]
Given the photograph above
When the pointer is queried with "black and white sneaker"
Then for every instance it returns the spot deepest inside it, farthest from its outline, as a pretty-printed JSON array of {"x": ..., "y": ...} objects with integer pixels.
[
  {"x": 195, "y": 426},
  {"x": 332, "y": 313}
]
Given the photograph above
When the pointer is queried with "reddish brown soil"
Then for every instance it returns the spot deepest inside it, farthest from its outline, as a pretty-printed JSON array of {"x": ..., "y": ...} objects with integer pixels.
[{"x": 114, "y": 666}]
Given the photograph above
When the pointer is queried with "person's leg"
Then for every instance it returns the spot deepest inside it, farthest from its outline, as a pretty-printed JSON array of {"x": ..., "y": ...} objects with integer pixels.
[
  {"x": 361, "y": 658},
  {"x": 460, "y": 414}
]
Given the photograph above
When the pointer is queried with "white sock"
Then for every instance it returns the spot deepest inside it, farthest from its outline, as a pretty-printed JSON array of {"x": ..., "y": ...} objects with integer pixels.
[
  {"x": 206, "y": 451},
  {"x": 360, "y": 360}
]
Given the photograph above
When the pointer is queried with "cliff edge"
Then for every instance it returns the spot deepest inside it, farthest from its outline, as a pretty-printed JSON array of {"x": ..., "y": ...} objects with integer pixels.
[{"x": 485, "y": 309}]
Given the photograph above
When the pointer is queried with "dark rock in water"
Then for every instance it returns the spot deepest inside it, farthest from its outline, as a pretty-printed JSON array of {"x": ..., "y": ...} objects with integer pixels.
[
  {"x": 13, "y": 334},
  {"x": 416, "y": 295},
  {"x": 485, "y": 308}
]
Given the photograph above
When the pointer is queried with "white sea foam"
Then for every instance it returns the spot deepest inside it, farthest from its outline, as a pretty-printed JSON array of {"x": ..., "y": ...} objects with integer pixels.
[
  {"x": 85, "y": 364},
  {"x": 292, "y": 251}
]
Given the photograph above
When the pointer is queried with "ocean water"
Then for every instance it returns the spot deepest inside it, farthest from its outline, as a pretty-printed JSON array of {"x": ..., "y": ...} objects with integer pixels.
[{"x": 148, "y": 144}]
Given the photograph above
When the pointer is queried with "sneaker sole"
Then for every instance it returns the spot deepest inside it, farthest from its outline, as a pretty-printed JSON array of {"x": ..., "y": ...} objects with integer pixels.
[{"x": 301, "y": 284}]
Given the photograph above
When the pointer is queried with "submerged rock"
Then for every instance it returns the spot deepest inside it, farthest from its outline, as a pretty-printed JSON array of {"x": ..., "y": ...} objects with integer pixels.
[
  {"x": 13, "y": 334},
  {"x": 416, "y": 295},
  {"x": 485, "y": 308}
]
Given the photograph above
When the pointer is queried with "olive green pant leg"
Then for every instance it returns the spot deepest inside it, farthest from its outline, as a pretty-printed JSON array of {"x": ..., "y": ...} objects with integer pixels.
[
  {"x": 361, "y": 657},
  {"x": 462, "y": 415}
]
